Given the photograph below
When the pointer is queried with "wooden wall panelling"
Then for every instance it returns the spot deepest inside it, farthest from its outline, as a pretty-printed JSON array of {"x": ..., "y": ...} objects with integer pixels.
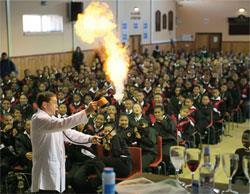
[
  {"x": 236, "y": 46},
  {"x": 57, "y": 60}
]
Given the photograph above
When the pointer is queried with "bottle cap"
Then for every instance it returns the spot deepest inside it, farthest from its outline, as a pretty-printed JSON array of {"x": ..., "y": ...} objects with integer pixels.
[
  {"x": 108, "y": 170},
  {"x": 206, "y": 150}
]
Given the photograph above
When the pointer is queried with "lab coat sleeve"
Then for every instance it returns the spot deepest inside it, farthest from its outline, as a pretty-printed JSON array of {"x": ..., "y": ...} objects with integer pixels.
[
  {"x": 78, "y": 137},
  {"x": 45, "y": 123}
]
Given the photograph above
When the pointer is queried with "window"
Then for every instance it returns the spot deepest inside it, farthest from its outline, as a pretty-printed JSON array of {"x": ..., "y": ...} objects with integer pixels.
[
  {"x": 32, "y": 23},
  {"x": 170, "y": 20},
  {"x": 42, "y": 23},
  {"x": 164, "y": 21},
  {"x": 157, "y": 21}
]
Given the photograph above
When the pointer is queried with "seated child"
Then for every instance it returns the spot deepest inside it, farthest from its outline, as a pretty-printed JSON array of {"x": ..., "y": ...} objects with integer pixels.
[
  {"x": 116, "y": 152},
  {"x": 128, "y": 132}
]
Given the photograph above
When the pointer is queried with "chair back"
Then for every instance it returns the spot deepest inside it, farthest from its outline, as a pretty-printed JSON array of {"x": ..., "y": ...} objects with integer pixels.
[
  {"x": 99, "y": 150},
  {"x": 136, "y": 156},
  {"x": 158, "y": 157}
]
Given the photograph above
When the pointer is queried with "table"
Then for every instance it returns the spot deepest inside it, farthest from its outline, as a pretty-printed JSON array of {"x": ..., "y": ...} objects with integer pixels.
[{"x": 242, "y": 189}]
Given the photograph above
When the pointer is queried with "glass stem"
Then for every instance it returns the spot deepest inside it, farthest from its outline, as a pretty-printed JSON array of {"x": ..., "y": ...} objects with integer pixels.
[
  {"x": 249, "y": 186},
  {"x": 192, "y": 177},
  {"x": 177, "y": 175},
  {"x": 230, "y": 184}
]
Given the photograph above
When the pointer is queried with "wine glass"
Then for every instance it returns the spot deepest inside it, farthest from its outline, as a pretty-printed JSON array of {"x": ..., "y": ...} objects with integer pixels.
[
  {"x": 177, "y": 155},
  {"x": 192, "y": 158},
  {"x": 246, "y": 168},
  {"x": 215, "y": 161},
  {"x": 230, "y": 166}
]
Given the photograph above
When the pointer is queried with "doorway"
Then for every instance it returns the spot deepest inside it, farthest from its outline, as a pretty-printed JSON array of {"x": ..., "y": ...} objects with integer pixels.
[
  {"x": 212, "y": 41},
  {"x": 135, "y": 43}
]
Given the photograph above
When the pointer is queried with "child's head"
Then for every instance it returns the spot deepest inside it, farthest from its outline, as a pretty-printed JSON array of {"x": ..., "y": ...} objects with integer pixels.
[
  {"x": 159, "y": 112},
  {"x": 188, "y": 102},
  {"x": 27, "y": 126},
  {"x": 140, "y": 96},
  {"x": 111, "y": 110},
  {"x": 184, "y": 111},
  {"x": 215, "y": 93},
  {"x": 76, "y": 98},
  {"x": 42, "y": 87},
  {"x": 128, "y": 104},
  {"x": 147, "y": 83},
  {"x": 17, "y": 115},
  {"x": 205, "y": 100},
  {"x": 108, "y": 128},
  {"x": 23, "y": 99},
  {"x": 158, "y": 99},
  {"x": 177, "y": 91},
  {"x": 60, "y": 95},
  {"x": 246, "y": 138},
  {"x": 87, "y": 99},
  {"x": 223, "y": 88},
  {"x": 158, "y": 90},
  {"x": 6, "y": 104},
  {"x": 123, "y": 121},
  {"x": 25, "y": 88},
  {"x": 99, "y": 120},
  {"x": 62, "y": 109},
  {"x": 137, "y": 109},
  {"x": 8, "y": 93},
  {"x": 8, "y": 119}
]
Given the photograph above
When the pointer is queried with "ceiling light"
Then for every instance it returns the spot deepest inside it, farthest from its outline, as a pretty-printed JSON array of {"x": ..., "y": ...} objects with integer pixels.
[
  {"x": 136, "y": 9},
  {"x": 241, "y": 10}
]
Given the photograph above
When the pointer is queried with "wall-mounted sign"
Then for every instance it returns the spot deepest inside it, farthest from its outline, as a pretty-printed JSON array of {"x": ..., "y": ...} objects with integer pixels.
[
  {"x": 124, "y": 26},
  {"x": 145, "y": 30},
  {"x": 124, "y": 32},
  {"x": 136, "y": 24}
]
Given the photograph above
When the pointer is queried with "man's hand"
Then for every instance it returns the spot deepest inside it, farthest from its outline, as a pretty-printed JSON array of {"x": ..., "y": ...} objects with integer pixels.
[
  {"x": 91, "y": 107},
  {"x": 28, "y": 155},
  {"x": 95, "y": 139}
]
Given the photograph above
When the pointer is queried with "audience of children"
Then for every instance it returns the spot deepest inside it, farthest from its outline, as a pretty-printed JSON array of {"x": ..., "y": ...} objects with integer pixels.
[{"x": 174, "y": 95}]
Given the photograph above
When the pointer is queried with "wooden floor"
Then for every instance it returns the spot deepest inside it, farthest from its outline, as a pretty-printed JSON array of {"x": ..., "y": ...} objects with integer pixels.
[{"x": 227, "y": 145}]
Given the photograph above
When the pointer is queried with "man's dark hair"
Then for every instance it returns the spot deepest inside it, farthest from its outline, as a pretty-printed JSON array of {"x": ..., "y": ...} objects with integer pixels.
[
  {"x": 4, "y": 54},
  {"x": 44, "y": 97}
]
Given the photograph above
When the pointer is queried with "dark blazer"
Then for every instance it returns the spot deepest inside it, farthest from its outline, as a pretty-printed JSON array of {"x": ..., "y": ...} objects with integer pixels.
[
  {"x": 166, "y": 129},
  {"x": 22, "y": 146}
]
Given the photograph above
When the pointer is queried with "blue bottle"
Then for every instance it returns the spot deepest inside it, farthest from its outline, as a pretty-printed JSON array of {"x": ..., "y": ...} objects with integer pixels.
[{"x": 108, "y": 181}]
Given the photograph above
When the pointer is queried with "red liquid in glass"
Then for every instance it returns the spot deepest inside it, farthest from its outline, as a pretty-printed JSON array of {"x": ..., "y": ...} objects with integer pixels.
[{"x": 193, "y": 165}]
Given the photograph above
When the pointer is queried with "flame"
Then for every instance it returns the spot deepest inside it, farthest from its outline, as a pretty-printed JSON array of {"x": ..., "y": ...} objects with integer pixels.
[{"x": 97, "y": 23}]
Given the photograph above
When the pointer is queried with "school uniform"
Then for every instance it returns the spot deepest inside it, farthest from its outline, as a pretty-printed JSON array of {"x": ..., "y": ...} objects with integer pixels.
[
  {"x": 185, "y": 129},
  {"x": 118, "y": 156},
  {"x": 129, "y": 134},
  {"x": 166, "y": 129},
  {"x": 22, "y": 146},
  {"x": 148, "y": 145}
]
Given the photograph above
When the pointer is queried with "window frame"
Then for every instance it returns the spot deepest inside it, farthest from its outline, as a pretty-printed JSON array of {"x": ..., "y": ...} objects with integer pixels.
[{"x": 42, "y": 20}]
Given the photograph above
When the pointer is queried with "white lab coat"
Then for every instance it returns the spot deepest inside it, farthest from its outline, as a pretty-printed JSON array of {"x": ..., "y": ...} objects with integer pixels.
[{"x": 48, "y": 151}]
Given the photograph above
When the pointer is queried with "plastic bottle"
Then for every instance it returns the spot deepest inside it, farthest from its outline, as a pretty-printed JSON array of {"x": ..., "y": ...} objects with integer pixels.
[
  {"x": 206, "y": 174},
  {"x": 108, "y": 181}
]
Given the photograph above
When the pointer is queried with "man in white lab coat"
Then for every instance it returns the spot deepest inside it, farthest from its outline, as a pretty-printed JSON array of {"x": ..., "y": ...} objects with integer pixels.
[{"x": 47, "y": 137}]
